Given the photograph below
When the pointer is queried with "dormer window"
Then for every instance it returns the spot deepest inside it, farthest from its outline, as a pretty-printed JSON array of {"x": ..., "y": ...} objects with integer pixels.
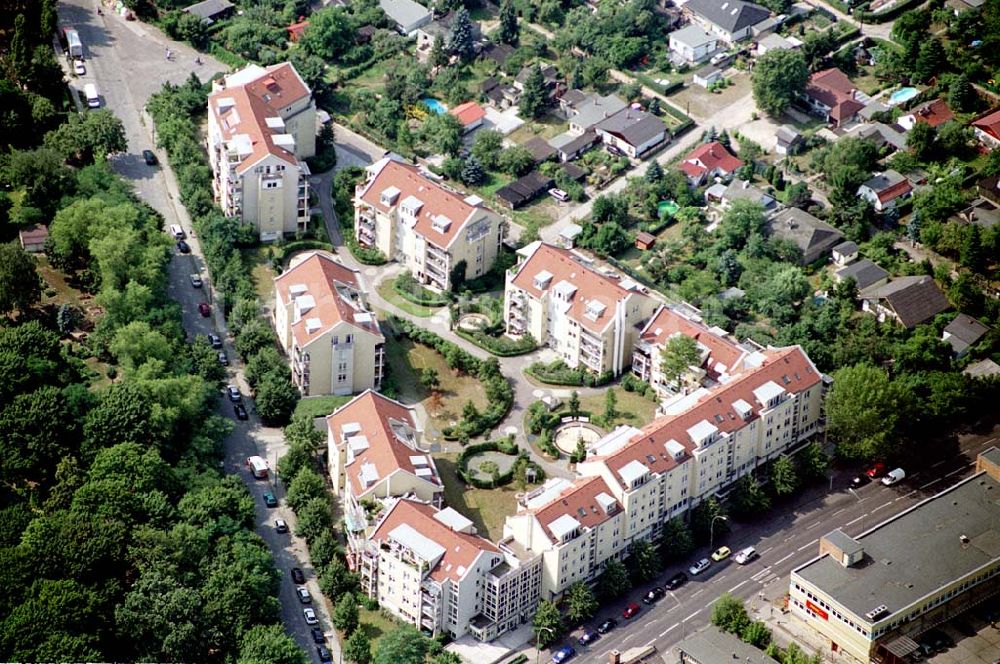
[
  {"x": 389, "y": 196},
  {"x": 410, "y": 207},
  {"x": 441, "y": 223},
  {"x": 543, "y": 279},
  {"x": 595, "y": 309},
  {"x": 565, "y": 291},
  {"x": 770, "y": 394},
  {"x": 703, "y": 433}
]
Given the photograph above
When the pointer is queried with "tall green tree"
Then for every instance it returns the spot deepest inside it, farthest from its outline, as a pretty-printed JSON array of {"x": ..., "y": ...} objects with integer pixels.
[
  {"x": 533, "y": 98},
  {"x": 784, "y": 476},
  {"x": 358, "y": 647},
  {"x": 329, "y": 35},
  {"x": 548, "y": 623},
  {"x": 729, "y": 615},
  {"x": 345, "y": 615},
  {"x": 962, "y": 96},
  {"x": 581, "y": 603},
  {"x": 269, "y": 644},
  {"x": 679, "y": 354},
  {"x": 403, "y": 645},
  {"x": 676, "y": 541},
  {"x": 778, "y": 77},
  {"x": 610, "y": 406},
  {"x": 931, "y": 60},
  {"x": 865, "y": 410},
  {"x": 814, "y": 462},
  {"x": 20, "y": 49},
  {"x": 20, "y": 286},
  {"x": 614, "y": 581},
  {"x": 644, "y": 561},
  {"x": 461, "y": 40},
  {"x": 509, "y": 31},
  {"x": 275, "y": 398},
  {"x": 748, "y": 498}
]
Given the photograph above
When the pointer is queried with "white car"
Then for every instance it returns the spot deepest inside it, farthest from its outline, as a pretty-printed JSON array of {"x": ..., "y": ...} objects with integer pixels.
[
  {"x": 699, "y": 567},
  {"x": 79, "y": 68},
  {"x": 559, "y": 195},
  {"x": 894, "y": 477},
  {"x": 310, "y": 617},
  {"x": 746, "y": 555},
  {"x": 304, "y": 596}
]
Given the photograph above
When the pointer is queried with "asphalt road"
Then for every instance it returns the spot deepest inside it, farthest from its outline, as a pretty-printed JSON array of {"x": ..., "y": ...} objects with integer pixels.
[
  {"x": 786, "y": 539},
  {"x": 126, "y": 61}
]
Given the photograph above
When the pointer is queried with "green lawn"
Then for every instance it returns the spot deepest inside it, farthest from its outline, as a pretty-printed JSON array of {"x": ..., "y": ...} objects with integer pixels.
[
  {"x": 376, "y": 624},
  {"x": 633, "y": 409},
  {"x": 261, "y": 273},
  {"x": 487, "y": 508},
  {"x": 321, "y": 406},
  {"x": 389, "y": 294}
]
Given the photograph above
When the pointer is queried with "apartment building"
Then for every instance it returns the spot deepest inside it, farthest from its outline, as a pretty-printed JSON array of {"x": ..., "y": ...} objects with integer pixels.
[
  {"x": 428, "y": 228},
  {"x": 871, "y": 596},
  {"x": 322, "y": 320},
  {"x": 720, "y": 355},
  {"x": 429, "y": 568},
  {"x": 637, "y": 479},
  {"x": 261, "y": 128},
  {"x": 589, "y": 318}
]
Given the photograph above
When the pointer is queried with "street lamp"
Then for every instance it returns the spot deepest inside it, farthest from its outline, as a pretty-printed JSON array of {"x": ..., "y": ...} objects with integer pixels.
[
  {"x": 538, "y": 639},
  {"x": 711, "y": 529}
]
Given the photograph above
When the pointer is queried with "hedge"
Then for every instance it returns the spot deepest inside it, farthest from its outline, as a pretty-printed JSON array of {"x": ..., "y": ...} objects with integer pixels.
[
  {"x": 558, "y": 373},
  {"x": 505, "y": 446},
  {"x": 889, "y": 14},
  {"x": 290, "y": 248},
  {"x": 499, "y": 346},
  {"x": 365, "y": 255},
  {"x": 424, "y": 296}
]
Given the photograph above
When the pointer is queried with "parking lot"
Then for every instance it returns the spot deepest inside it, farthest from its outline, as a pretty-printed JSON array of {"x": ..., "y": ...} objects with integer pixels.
[{"x": 976, "y": 637}]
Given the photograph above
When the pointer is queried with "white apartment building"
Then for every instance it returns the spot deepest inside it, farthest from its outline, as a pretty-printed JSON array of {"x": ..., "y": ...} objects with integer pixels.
[
  {"x": 589, "y": 318},
  {"x": 428, "y": 228},
  {"x": 702, "y": 443},
  {"x": 429, "y": 568},
  {"x": 261, "y": 128},
  {"x": 322, "y": 320}
]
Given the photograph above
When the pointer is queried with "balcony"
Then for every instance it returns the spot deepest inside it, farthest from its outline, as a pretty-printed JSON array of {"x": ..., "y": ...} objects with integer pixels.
[
  {"x": 438, "y": 252},
  {"x": 435, "y": 268},
  {"x": 366, "y": 221},
  {"x": 590, "y": 346}
]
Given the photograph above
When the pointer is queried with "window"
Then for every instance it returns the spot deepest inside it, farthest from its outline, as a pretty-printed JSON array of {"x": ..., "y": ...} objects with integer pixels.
[
  {"x": 341, "y": 378},
  {"x": 271, "y": 185},
  {"x": 349, "y": 339}
]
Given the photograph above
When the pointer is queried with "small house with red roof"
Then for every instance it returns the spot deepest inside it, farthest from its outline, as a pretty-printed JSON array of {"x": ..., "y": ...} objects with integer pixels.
[
  {"x": 33, "y": 237},
  {"x": 935, "y": 113},
  {"x": 886, "y": 190},
  {"x": 470, "y": 115},
  {"x": 987, "y": 129},
  {"x": 832, "y": 96},
  {"x": 296, "y": 30},
  {"x": 709, "y": 161}
]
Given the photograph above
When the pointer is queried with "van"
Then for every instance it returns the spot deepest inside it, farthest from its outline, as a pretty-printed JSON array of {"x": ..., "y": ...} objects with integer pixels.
[
  {"x": 894, "y": 477},
  {"x": 258, "y": 467},
  {"x": 90, "y": 92},
  {"x": 177, "y": 232},
  {"x": 744, "y": 556}
]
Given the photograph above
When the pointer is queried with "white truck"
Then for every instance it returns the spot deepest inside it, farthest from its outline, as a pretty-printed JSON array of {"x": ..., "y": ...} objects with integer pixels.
[
  {"x": 73, "y": 43},
  {"x": 93, "y": 97},
  {"x": 258, "y": 467}
]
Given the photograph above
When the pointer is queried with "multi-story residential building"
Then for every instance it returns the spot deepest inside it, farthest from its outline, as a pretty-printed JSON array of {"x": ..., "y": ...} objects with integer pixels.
[
  {"x": 261, "y": 128},
  {"x": 427, "y": 227},
  {"x": 871, "y": 596},
  {"x": 429, "y": 568},
  {"x": 589, "y": 318},
  {"x": 720, "y": 355},
  {"x": 322, "y": 320}
]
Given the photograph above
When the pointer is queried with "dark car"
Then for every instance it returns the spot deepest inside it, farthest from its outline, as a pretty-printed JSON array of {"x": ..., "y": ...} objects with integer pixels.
[
  {"x": 149, "y": 158},
  {"x": 676, "y": 581},
  {"x": 223, "y": 360},
  {"x": 204, "y": 309},
  {"x": 655, "y": 594},
  {"x": 317, "y": 635},
  {"x": 270, "y": 500},
  {"x": 234, "y": 394},
  {"x": 297, "y": 575},
  {"x": 860, "y": 480},
  {"x": 183, "y": 247},
  {"x": 241, "y": 411},
  {"x": 215, "y": 341},
  {"x": 324, "y": 654},
  {"x": 631, "y": 610},
  {"x": 563, "y": 654},
  {"x": 588, "y": 637},
  {"x": 607, "y": 626},
  {"x": 937, "y": 640}
]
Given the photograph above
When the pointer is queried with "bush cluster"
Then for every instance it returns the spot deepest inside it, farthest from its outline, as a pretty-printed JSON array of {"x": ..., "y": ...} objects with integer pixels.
[
  {"x": 412, "y": 290},
  {"x": 504, "y": 446},
  {"x": 558, "y": 373},
  {"x": 498, "y": 345}
]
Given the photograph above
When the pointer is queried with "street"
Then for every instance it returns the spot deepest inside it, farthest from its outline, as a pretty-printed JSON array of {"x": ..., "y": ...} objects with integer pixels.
[{"x": 126, "y": 60}]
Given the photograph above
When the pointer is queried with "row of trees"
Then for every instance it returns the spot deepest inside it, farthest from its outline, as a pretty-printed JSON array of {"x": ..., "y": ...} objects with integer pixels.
[{"x": 729, "y": 615}]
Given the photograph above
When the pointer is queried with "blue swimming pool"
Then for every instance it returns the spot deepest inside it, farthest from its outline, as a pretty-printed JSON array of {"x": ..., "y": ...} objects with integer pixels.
[
  {"x": 902, "y": 95},
  {"x": 434, "y": 105}
]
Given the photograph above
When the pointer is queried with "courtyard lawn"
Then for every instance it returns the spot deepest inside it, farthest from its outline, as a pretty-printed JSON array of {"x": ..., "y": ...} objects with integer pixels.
[
  {"x": 549, "y": 126},
  {"x": 261, "y": 274},
  {"x": 376, "y": 624},
  {"x": 632, "y": 408},
  {"x": 487, "y": 508},
  {"x": 389, "y": 294},
  {"x": 321, "y": 406}
]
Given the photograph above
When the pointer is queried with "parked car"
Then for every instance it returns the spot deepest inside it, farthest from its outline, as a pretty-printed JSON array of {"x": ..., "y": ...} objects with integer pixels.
[
  {"x": 183, "y": 247},
  {"x": 317, "y": 634},
  {"x": 79, "y": 68},
  {"x": 559, "y": 195},
  {"x": 699, "y": 567},
  {"x": 149, "y": 158},
  {"x": 563, "y": 654},
  {"x": 215, "y": 341},
  {"x": 875, "y": 471},
  {"x": 234, "y": 394},
  {"x": 310, "y": 616},
  {"x": 588, "y": 637},
  {"x": 721, "y": 553},
  {"x": 196, "y": 281},
  {"x": 304, "y": 595},
  {"x": 607, "y": 626},
  {"x": 223, "y": 360},
  {"x": 270, "y": 500},
  {"x": 746, "y": 555},
  {"x": 324, "y": 654},
  {"x": 631, "y": 610},
  {"x": 860, "y": 480},
  {"x": 937, "y": 640},
  {"x": 894, "y": 477},
  {"x": 241, "y": 411},
  {"x": 204, "y": 309},
  {"x": 676, "y": 581},
  {"x": 280, "y": 526},
  {"x": 613, "y": 149},
  {"x": 655, "y": 594},
  {"x": 297, "y": 575}
]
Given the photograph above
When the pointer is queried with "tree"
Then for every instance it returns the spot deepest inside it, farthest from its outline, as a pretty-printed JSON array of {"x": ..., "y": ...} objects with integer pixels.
[
  {"x": 358, "y": 647},
  {"x": 703, "y": 517},
  {"x": 275, "y": 398},
  {"x": 864, "y": 411},
  {"x": 813, "y": 462},
  {"x": 267, "y": 644},
  {"x": 137, "y": 344},
  {"x": 784, "y": 476},
  {"x": 573, "y": 405},
  {"x": 509, "y": 31},
  {"x": 345, "y": 614},
  {"x": 253, "y": 337},
  {"x": 729, "y": 614},
  {"x": 778, "y": 77},
  {"x": 429, "y": 378},
  {"x": 748, "y": 497},
  {"x": 757, "y": 634},
  {"x": 88, "y": 137},
  {"x": 305, "y": 485},
  {"x": 614, "y": 581},
  {"x": 533, "y": 98},
  {"x": 930, "y": 61},
  {"x": 20, "y": 286},
  {"x": 19, "y": 49},
  {"x": 492, "y": 469},
  {"x": 921, "y": 141},
  {"x": 962, "y": 96},
  {"x": 472, "y": 171},
  {"x": 548, "y": 623},
  {"x": 679, "y": 354},
  {"x": 515, "y": 161},
  {"x": 329, "y": 35},
  {"x": 314, "y": 519},
  {"x": 336, "y": 580},
  {"x": 403, "y": 645},
  {"x": 487, "y": 146},
  {"x": 972, "y": 254},
  {"x": 676, "y": 541},
  {"x": 610, "y": 406},
  {"x": 443, "y": 132},
  {"x": 644, "y": 561},
  {"x": 654, "y": 172},
  {"x": 581, "y": 603},
  {"x": 461, "y": 41}
]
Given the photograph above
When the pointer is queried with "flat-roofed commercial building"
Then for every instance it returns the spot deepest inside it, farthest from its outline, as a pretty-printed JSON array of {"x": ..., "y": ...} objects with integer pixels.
[{"x": 870, "y": 596}]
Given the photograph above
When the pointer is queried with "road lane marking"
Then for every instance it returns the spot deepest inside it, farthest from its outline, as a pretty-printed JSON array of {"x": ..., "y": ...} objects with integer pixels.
[
  {"x": 628, "y": 637},
  {"x": 851, "y": 523},
  {"x": 697, "y": 593},
  {"x": 806, "y": 546},
  {"x": 785, "y": 558},
  {"x": 664, "y": 632},
  {"x": 939, "y": 463},
  {"x": 813, "y": 526},
  {"x": 692, "y": 615},
  {"x": 886, "y": 504},
  {"x": 957, "y": 470},
  {"x": 766, "y": 550},
  {"x": 731, "y": 590},
  {"x": 839, "y": 511}
]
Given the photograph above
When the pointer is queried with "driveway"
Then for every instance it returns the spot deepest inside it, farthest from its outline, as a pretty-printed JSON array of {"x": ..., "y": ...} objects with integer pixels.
[{"x": 126, "y": 61}]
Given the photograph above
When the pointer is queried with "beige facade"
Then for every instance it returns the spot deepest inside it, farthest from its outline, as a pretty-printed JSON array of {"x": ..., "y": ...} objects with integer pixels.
[
  {"x": 322, "y": 320},
  {"x": 425, "y": 226},
  {"x": 589, "y": 319},
  {"x": 261, "y": 128}
]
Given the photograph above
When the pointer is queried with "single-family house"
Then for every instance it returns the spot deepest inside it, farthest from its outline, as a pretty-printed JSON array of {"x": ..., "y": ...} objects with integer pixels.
[
  {"x": 743, "y": 190},
  {"x": 815, "y": 238},
  {"x": 963, "y": 333},
  {"x": 691, "y": 44},
  {"x": 407, "y": 15},
  {"x": 731, "y": 20},
  {"x": 440, "y": 27},
  {"x": 569, "y": 146},
  {"x": 833, "y": 97},
  {"x": 499, "y": 95},
  {"x": 787, "y": 141},
  {"x": 33, "y": 237},
  {"x": 540, "y": 149},
  {"x": 871, "y": 109},
  {"x": 470, "y": 115},
  {"x": 982, "y": 212},
  {"x": 554, "y": 86},
  {"x": 909, "y": 301},
  {"x": 708, "y": 161},
  {"x": 497, "y": 53},
  {"x": 983, "y": 369},
  {"x": 845, "y": 253},
  {"x": 864, "y": 272},
  {"x": 211, "y": 11},
  {"x": 934, "y": 112},
  {"x": 886, "y": 190},
  {"x": 632, "y": 131},
  {"x": 987, "y": 129},
  {"x": 959, "y": 6},
  {"x": 774, "y": 42},
  {"x": 591, "y": 110},
  {"x": 885, "y": 136},
  {"x": 524, "y": 190}
]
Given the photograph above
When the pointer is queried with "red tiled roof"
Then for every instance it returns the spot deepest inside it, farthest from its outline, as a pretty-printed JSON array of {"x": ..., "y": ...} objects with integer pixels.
[
  {"x": 934, "y": 113},
  {"x": 33, "y": 234},
  {"x": 833, "y": 88},
  {"x": 989, "y": 124},
  {"x": 578, "y": 501},
  {"x": 468, "y": 113},
  {"x": 716, "y": 407},
  {"x": 708, "y": 157},
  {"x": 894, "y": 191},
  {"x": 721, "y": 350},
  {"x": 319, "y": 273},
  {"x": 375, "y": 413},
  {"x": 296, "y": 30},
  {"x": 461, "y": 549}
]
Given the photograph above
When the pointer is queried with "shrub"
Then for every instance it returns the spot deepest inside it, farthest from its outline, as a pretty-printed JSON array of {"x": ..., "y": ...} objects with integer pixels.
[
  {"x": 500, "y": 346},
  {"x": 558, "y": 373}
]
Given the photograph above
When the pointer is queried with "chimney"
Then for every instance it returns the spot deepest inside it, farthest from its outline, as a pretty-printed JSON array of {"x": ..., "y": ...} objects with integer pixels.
[{"x": 614, "y": 657}]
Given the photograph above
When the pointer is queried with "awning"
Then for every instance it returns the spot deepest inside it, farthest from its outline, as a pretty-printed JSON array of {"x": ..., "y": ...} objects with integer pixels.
[{"x": 901, "y": 646}]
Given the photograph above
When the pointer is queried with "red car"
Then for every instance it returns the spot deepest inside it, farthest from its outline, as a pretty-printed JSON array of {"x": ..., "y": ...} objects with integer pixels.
[
  {"x": 877, "y": 470},
  {"x": 204, "y": 309},
  {"x": 631, "y": 610}
]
